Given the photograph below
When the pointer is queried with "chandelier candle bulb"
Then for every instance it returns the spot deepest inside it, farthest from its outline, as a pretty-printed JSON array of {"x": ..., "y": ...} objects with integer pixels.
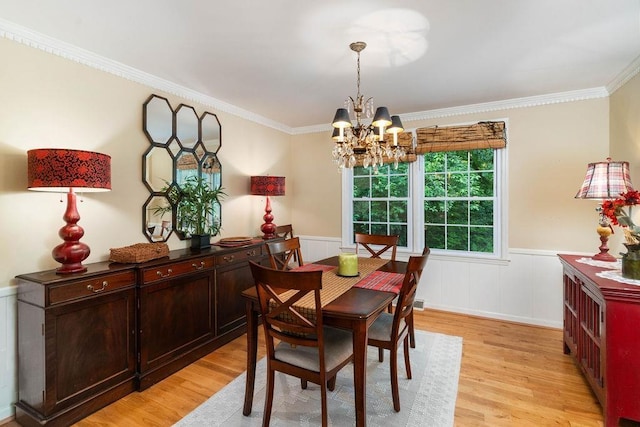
[{"x": 347, "y": 264}]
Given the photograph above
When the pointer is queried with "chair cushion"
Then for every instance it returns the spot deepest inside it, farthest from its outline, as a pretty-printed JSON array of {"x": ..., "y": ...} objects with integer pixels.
[
  {"x": 380, "y": 330},
  {"x": 338, "y": 346}
]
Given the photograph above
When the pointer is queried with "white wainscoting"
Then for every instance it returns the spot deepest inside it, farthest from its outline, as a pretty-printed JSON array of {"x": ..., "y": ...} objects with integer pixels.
[
  {"x": 8, "y": 352},
  {"x": 527, "y": 288}
]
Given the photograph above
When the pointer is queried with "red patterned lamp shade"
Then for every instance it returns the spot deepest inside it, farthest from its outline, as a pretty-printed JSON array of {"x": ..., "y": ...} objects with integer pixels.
[
  {"x": 268, "y": 186},
  {"x": 605, "y": 180},
  {"x": 62, "y": 170}
]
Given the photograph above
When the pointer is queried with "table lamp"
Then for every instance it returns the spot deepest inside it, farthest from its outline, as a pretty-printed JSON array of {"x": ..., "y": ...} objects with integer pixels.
[
  {"x": 267, "y": 186},
  {"x": 605, "y": 181},
  {"x": 61, "y": 170}
]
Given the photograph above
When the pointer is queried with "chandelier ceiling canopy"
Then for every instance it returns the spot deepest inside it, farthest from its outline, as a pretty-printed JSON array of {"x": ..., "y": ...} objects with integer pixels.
[{"x": 358, "y": 139}]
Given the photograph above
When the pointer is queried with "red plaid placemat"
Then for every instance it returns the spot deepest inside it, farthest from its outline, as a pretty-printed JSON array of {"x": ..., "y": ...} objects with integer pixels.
[
  {"x": 314, "y": 267},
  {"x": 382, "y": 281}
]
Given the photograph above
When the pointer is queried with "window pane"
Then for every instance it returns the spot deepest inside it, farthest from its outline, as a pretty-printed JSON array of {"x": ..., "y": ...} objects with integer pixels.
[
  {"x": 434, "y": 162},
  {"x": 379, "y": 229},
  {"x": 379, "y": 186},
  {"x": 481, "y": 184},
  {"x": 398, "y": 186},
  {"x": 434, "y": 212},
  {"x": 482, "y": 239},
  {"x": 481, "y": 159},
  {"x": 359, "y": 227},
  {"x": 379, "y": 211},
  {"x": 481, "y": 212},
  {"x": 458, "y": 212},
  {"x": 457, "y": 238},
  {"x": 457, "y": 185},
  {"x": 360, "y": 187},
  {"x": 434, "y": 185},
  {"x": 398, "y": 211},
  {"x": 400, "y": 230},
  {"x": 360, "y": 211},
  {"x": 434, "y": 236},
  {"x": 457, "y": 161}
]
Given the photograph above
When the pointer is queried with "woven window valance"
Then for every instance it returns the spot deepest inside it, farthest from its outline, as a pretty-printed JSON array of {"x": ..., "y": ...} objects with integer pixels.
[
  {"x": 405, "y": 139},
  {"x": 458, "y": 138}
]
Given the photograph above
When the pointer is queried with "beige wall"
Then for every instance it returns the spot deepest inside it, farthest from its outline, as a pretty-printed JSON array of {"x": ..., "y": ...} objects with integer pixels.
[
  {"x": 48, "y": 101},
  {"x": 548, "y": 151}
]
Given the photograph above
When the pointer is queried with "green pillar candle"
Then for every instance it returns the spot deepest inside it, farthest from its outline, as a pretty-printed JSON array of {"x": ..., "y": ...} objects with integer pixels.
[{"x": 348, "y": 264}]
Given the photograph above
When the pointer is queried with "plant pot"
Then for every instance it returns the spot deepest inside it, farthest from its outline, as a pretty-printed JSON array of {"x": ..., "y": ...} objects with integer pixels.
[
  {"x": 200, "y": 241},
  {"x": 631, "y": 262}
]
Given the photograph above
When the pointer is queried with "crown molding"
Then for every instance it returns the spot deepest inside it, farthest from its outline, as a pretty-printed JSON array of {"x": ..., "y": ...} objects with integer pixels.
[
  {"x": 531, "y": 101},
  {"x": 508, "y": 104},
  {"x": 68, "y": 51},
  {"x": 626, "y": 75},
  {"x": 73, "y": 53}
]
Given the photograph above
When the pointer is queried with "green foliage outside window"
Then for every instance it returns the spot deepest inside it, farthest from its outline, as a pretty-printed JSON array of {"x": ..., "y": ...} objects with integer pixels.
[
  {"x": 380, "y": 201},
  {"x": 458, "y": 204},
  {"x": 459, "y": 197}
]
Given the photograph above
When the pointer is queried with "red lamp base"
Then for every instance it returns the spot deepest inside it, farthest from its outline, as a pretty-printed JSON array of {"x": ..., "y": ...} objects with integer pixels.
[
  {"x": 268, "y": 228},
  {"x": 72, "y": 252}
]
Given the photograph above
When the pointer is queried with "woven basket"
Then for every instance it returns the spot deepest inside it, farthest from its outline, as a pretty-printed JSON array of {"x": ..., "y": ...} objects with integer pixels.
[{"x": 140, "y": 252}]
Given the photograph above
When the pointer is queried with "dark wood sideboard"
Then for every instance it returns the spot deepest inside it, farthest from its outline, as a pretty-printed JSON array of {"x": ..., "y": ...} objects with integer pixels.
[
  {"x": 602, "y": 334},
  {"x": 87, "y": 339}
]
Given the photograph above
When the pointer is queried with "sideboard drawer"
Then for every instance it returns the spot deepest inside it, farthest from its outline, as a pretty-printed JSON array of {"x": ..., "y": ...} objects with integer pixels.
[
  {"x": 239, "y": 255},
  {"x": 163, "y": 272},
  {"x": 85, "y": 288}
]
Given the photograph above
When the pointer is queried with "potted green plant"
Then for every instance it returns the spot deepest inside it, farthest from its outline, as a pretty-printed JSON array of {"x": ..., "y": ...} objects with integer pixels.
[{"x": 199, "y": 211}]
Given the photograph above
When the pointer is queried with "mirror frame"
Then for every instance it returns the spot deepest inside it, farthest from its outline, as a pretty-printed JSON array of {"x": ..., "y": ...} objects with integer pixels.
[{"x": 167, "y": 198}]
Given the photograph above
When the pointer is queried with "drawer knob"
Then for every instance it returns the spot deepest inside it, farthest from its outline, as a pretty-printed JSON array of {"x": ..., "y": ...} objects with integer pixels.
[
  {"x": 251, "y": 252},
  {"x": 169, "y": 271},
  {"x": 228, "y": 258},
  {"x": 198, "y": 267},
  {"x": 95, "y": 291}
]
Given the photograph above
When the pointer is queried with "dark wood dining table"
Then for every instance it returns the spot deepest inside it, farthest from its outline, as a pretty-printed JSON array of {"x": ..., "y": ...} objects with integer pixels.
[{"x": 355, "y": 310}]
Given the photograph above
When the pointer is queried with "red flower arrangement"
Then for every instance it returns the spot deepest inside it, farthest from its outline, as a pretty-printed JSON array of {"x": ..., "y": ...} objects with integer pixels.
[{"x": 615, "y": 211}]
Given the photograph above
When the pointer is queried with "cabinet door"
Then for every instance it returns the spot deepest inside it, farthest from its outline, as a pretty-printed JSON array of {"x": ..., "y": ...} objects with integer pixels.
[
  {"x": 590, "y": 352},
  {"x": 176, "y": 315},
  {"x": 90, "y": 346},
  {"x": 571, "y": 324},
  {"x": 231, "y": 280}
]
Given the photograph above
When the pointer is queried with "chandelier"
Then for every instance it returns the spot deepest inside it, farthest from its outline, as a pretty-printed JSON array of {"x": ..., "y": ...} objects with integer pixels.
[{"x": 366, "y": 141}]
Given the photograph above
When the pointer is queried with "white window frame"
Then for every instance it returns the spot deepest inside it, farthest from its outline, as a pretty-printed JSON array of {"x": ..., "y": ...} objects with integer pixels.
[{"x": 415, "y": 232}]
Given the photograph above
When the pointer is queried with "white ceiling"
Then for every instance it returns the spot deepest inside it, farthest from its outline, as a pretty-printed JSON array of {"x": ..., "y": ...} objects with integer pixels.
[{"x": 289, "y": 60}]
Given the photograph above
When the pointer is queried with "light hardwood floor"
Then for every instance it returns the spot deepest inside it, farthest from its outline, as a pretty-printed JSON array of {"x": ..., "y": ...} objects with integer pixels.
[{"x": 511, "y": 375}]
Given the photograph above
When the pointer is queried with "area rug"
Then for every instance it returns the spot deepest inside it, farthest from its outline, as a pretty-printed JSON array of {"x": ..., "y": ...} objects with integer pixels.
[{"x": 428, "y": 399}]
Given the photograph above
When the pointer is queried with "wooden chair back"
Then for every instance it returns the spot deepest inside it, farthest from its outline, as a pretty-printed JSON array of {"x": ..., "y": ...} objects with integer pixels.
[
  {"x": 282, "y": 320},
  {"x": 283, "y": 252},
  {"x": 406, "y": 298},
  {"x": 382, "y": 242},
  {"x": 285, "y": 231}
]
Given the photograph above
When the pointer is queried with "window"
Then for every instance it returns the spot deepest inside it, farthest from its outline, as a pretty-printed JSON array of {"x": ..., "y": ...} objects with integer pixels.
[
  {"x": 459, "y": 200},
  {"x": 450, "y": 199},
  {"x": 381, "y": 201}
]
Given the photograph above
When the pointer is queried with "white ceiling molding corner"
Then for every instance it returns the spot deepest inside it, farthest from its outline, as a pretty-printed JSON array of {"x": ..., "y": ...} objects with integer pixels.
[
  {"x": 626, "y": 75},
  {"x": 56, "y": 47}
]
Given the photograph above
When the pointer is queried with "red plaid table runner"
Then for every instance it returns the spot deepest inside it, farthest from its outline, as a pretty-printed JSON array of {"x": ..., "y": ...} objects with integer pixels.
[{"x": 382, "y": 281}]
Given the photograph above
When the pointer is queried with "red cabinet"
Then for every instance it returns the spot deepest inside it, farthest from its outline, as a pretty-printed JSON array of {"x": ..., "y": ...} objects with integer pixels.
[{"x": 602, "y": 334}]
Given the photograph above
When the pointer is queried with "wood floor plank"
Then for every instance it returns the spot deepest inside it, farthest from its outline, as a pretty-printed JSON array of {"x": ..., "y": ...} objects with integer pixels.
[{"x": 511, "y": 375}]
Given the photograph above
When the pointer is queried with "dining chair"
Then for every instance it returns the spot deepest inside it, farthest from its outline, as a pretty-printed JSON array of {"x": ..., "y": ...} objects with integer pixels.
[
  {"x": 282, "y": 252},
  {"x": 305, "y": 347},
  {"x": 389, "y": 330},
  {"x": 412, "y": 334},
  {"x": 372, "y": 243},
  {"x": 285, "y": 231}
]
